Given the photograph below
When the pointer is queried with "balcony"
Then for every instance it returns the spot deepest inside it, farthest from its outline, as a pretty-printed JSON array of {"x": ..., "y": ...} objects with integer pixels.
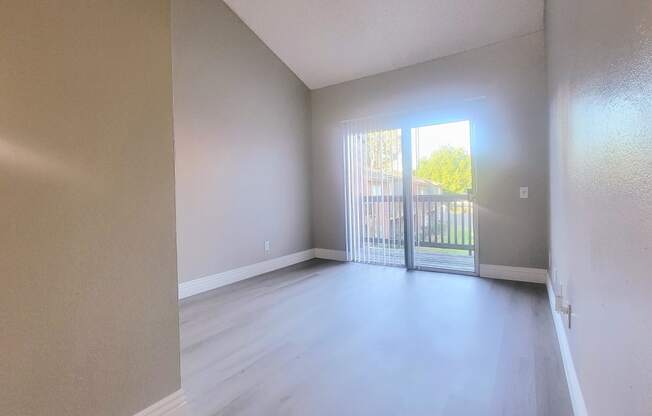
[{"x": 443, "y": 225}]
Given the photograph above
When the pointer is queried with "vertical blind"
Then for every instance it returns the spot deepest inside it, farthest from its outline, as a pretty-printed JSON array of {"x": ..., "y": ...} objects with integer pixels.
[{"x": 374, "y": 192}]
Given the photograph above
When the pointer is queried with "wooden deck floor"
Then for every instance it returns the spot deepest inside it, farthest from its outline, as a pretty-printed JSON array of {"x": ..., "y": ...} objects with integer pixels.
[
  {"x": 326, "y": 338},
  {"x": 425, "y": 257},
  {"x": 454, "y": 262}
]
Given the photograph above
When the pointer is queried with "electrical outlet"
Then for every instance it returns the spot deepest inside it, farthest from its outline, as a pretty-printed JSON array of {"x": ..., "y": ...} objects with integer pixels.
[
  {"x": 267, "y": 247},
  {"x": 524, "y": 192}
]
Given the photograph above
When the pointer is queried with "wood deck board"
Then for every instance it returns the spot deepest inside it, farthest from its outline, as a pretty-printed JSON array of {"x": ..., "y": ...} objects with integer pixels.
[{"x": 424, "y": 258}]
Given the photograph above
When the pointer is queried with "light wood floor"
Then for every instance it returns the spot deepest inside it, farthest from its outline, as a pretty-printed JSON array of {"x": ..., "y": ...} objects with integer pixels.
[{"x": 338, "y": 339}]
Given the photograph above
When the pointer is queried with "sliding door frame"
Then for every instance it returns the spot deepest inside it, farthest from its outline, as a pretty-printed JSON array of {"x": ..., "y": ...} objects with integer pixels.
[
  {"x": 408, "y": 227},
  {"x": 406, "y": 138},
  {"x": 471, "y": 110}
]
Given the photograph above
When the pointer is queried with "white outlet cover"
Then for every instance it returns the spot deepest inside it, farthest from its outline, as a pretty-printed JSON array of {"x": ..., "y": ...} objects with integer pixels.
[{"x": 524, "y": 192}]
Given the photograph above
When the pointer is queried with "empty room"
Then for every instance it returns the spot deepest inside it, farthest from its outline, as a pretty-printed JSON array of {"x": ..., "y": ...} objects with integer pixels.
[{"x": 318, "y": 207}]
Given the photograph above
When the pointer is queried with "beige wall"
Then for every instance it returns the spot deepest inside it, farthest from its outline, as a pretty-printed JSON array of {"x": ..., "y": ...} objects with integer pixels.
[
  {"x": 504, "y": 87},
  {"x": 241, "y": 141},
  {"x": 88, "y": 308},
  {"x": 600, "y": 85}
]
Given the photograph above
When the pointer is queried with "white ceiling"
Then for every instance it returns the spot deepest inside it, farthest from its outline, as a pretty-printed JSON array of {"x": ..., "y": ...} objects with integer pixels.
[{"x": 326, "y": 42}]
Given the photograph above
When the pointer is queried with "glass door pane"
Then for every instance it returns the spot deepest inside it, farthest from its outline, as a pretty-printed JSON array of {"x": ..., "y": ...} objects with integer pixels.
[{"x": 442, "y": 203}]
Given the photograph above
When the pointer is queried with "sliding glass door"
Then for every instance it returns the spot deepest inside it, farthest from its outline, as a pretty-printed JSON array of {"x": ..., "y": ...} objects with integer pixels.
[
  {"x": 375, "y": 198},
  {"x": 409, "y": 194},
  {"x": 442, "y": 197}
]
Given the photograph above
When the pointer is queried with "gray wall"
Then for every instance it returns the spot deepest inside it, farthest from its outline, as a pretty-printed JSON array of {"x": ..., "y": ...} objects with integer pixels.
[
  {"x": 510, "y": 146},
  {"x": 241, "y": 123},
  {"x": 600, "y": 71},
  {"x": 88, "y": 304}
]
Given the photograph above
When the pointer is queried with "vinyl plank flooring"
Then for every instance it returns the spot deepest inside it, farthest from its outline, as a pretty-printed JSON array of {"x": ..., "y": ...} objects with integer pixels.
[{"x": 327, "y": 338}]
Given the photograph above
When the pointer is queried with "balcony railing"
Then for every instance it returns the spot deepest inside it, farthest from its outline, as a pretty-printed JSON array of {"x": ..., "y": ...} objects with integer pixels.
[
  {"x": 440, "y": 221},
  {"x": 444, "y": 221}
]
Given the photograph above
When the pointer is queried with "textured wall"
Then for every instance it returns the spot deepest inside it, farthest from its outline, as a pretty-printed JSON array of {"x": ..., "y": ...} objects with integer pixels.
[
  {"x": 242, "y": 125},
  {"x": 600, "y": 81},
  {"x": 88, "y": 305},
  {"x": 510, "y": 144}
]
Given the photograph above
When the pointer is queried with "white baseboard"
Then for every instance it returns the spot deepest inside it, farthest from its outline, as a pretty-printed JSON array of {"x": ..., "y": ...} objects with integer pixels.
[
  {"x": 574, "y": 389},
  {"x": 520, "y": 274},
  {"x": 172, "y": 405},
  {"x": 324, "y": 253},
  {"x": 204, "y": 284}
]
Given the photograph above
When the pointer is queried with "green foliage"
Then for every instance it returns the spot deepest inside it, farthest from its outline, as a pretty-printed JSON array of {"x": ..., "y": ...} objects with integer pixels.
[{"x": 449, "y": 167}]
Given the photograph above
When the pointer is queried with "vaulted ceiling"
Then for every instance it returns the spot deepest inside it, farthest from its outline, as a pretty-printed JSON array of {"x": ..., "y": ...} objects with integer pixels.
[{"x": 326, "y": 42}]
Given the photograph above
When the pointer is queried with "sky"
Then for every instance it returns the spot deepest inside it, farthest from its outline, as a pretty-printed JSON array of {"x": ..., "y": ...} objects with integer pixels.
[{"x": 431, "y": 138}]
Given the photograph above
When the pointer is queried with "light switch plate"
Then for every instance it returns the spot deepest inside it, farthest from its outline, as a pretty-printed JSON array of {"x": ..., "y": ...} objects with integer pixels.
[{"x": 524, "y": 192}]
